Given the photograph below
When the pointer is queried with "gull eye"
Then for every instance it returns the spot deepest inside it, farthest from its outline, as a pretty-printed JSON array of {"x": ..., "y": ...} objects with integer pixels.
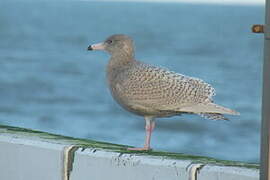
[{"x": 109, "y": 41}]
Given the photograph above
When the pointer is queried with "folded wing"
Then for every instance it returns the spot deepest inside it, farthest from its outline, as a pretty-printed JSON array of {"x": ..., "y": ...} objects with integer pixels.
[{"x": 161, "y": 89}]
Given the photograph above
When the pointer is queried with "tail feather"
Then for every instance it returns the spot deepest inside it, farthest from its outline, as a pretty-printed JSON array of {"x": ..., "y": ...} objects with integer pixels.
[
  {"x": 213, "y": 116},
  {"x": 209, "y": 108}
]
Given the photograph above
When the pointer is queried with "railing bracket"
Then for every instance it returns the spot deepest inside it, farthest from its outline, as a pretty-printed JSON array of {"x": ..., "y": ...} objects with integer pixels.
[{"x": 260, "y": 28}]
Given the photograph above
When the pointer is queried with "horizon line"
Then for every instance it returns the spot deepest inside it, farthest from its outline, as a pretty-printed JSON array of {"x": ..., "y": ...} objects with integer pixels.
[{"x": 220, "y": 2}]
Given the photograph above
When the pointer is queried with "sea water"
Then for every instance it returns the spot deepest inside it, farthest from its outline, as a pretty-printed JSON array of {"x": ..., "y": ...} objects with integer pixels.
[{"x": 50, "y": 82}]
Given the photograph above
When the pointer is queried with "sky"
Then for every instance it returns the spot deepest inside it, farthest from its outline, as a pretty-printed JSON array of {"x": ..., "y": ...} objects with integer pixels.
[{"x": 247, "y": 2}]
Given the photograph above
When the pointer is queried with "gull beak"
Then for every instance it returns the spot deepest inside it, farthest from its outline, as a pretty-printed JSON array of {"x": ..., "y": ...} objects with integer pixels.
[{"x": 99, "y": 46}]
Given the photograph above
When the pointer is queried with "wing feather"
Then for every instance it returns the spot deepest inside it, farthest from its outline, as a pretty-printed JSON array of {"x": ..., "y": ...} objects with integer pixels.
[{"x": 159, "y": 88}]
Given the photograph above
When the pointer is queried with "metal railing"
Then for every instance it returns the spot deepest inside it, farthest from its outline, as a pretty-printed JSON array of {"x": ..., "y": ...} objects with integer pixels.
[{"x": 265, "y": 124}]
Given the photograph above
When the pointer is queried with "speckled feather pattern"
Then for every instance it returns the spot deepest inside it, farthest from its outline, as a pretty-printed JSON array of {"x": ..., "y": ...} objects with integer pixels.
[
  {"x": 150, "y": 82},
  {"x": 142, "y": 88}
]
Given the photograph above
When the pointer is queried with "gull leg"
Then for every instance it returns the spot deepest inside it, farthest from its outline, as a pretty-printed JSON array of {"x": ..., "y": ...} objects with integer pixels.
[{"x": 149, "y": 128}]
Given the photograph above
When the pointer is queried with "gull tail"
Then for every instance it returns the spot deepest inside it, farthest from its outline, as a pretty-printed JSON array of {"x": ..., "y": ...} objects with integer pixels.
[
  {"x": 209, "y": 108},
  {"x": 213, "y": 116}
]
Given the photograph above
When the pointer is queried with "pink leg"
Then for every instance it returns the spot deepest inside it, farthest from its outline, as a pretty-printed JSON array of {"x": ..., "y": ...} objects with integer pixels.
[{"x": 149, "y": 128}]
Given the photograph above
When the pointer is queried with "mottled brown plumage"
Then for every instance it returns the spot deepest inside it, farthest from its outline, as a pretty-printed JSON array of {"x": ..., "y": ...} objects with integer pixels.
[{"x": 152, "y": 91}]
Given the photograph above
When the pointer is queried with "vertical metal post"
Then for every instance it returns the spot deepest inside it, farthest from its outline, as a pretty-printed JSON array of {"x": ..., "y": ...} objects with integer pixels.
[{"x": 265, "y": 126}]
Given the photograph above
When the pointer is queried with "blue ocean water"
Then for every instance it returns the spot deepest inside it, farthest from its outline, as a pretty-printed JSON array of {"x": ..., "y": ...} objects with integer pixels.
[{"x": 49, "y": 82}]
